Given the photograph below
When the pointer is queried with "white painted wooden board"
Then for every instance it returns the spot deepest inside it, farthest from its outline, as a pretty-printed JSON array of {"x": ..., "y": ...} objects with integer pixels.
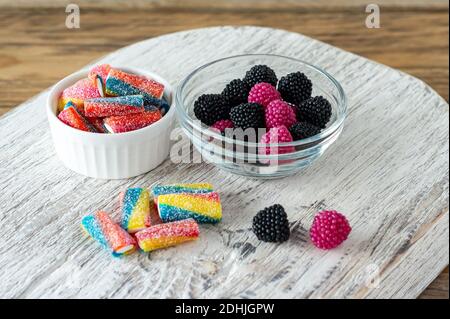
[{"x": 388, "y": 172}]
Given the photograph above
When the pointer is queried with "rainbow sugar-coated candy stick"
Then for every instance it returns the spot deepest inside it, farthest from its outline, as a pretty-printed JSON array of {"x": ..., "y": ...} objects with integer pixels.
[
  {"x": 166, "y": 235},
  {"x": 195, "y": 188},
  {"x": 114, "y": 106},
  {"x": 131, "y": 122},
  {"x": 99, "y": 71},
  {"x": 135, "y": 204},
  {"x": 77, "y": 93},
  {"x": 119, "y": 83},
  {"x": 98, "y": 74},
  {"x": 72, "y": 117},
  {"x": 69, "y": 104},
  {"x": 161, "y": 104},
  {"x": 108, "y": 234},
  {"x": 97, "y": 123},
  {"x": 204, "y": 208}
]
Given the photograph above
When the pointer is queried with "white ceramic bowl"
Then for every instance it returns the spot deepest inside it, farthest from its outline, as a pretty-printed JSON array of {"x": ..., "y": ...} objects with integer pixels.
[{"x": 111, "y": 156}]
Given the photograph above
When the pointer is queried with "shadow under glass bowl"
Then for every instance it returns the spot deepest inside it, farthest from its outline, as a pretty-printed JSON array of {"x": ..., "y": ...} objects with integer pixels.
[{"x": 248, "y": 157}]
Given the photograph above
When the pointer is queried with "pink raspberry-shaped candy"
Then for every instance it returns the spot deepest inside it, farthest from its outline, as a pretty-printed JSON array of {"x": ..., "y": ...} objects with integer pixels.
[
  {"x": 263, "y": 93},
  {"x": 221, "y": 125},
  {"x": 277, "y": 135},
  {"x": 279, "y": 113},
  {"x": 329, "y": 229}
]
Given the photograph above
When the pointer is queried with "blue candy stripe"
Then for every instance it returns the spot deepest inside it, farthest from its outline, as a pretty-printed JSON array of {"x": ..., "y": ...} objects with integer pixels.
[
  {"x": 164, "y": 190},
  {"x": 94, "y": 229},
  {"x": 130, "y": 100},
  {"x": 119, "y": 88},
  {"x": 169, "y": 213},
  {"x": 130, "y": 199},
  {"x": 69, "y": 105},
  {"x": 161, "y": 104}
]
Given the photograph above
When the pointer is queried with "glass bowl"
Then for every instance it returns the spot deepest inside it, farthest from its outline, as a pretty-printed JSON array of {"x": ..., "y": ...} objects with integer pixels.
[{"x": 248, "y": 157}]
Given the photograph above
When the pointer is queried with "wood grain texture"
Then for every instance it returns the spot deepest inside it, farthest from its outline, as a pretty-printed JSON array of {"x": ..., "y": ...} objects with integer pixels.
[
  {"x": 225, "y": 4},
  {"x": 395, "y": 192},
  {"x": 438, "y": 288},
  {"x": 36, "y": 49}
]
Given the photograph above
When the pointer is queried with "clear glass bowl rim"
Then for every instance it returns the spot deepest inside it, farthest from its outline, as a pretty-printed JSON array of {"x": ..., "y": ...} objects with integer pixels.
[{"x": 342, "y": 105}]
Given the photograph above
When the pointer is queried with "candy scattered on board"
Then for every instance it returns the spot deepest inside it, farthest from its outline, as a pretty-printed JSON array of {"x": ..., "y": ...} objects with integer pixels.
[
  {"x": 181, "y": 208},
  {"x": 204, "y": 208},
  {"x": 271, "y": 224},
  {"x": 108, "y": 234},
  {"x": 329, "y": 229},
  {"x": 135, "y": 204},
  {"x": 112, "y": 101},
  {"x": 140, "y": 219},
  {"x": 167, "y": 235},
  {"x": 195, "y": 188}
]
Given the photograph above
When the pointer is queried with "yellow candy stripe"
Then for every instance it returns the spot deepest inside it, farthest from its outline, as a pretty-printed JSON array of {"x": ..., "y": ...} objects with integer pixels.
[
  {"x": 140, "y": 213},
  {"x": 198, "y": 204},
  {"x": 158, "y": 243},
  {"x": 63, "y": 101}
]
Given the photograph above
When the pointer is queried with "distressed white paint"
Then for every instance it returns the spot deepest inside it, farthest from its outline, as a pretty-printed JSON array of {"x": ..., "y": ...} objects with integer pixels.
[{"x": 388, "y": 173}]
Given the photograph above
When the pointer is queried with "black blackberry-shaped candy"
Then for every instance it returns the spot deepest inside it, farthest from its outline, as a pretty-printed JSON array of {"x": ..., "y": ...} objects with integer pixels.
[
  {"x": 271, "y": 224},
  {"x": 247, "y": 115},
  {"x": 260, "y": 73},
  {"x": 295, "y": 88},
  {"x": 301, "y": 130},
  {"x": 210, "y": 108},
  {"x": 236, "y": 92},
  {"x": 316, "y": 111}
]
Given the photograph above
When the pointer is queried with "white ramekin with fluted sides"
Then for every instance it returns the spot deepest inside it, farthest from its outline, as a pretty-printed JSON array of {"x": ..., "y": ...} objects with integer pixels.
[{"x": 111, "y": 156}]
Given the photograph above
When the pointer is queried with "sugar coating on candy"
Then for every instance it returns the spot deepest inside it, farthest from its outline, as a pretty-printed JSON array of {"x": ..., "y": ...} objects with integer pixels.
[
  {"x": 194, "y": 188},
  {"x": 204, "y": 208},
  {"x": 94, "y": 122},
  {"x": 329, "y": 229},
  {"x": 99, "y": 72},
  {"x": 70, "y": 116},
  {"x": 98, "y": 75},
  {"x": 263, "y": 94},
  {"x": 69, "y": 104},
  {"x": 279, "y": 113},
  {"x": 154, "y": 215},
  {"x": 126, "y": 123},
  {"x": 135, "y": 206},
  {"x": 150, "y": 103},
  {"x": 108, "y": 234},
  {"x": 114, "y": 106},
  {"x": 276, "y": 135},
  {"x": 119, "y": 83},
  {"x": 77, "y": 93},
  {"x": 167, "y": 235},
  {"x": 97, "y": 123}
]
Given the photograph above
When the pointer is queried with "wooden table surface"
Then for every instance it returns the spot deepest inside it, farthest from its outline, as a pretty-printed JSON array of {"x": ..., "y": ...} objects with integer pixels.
[{"x": 37, "y": 49}]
